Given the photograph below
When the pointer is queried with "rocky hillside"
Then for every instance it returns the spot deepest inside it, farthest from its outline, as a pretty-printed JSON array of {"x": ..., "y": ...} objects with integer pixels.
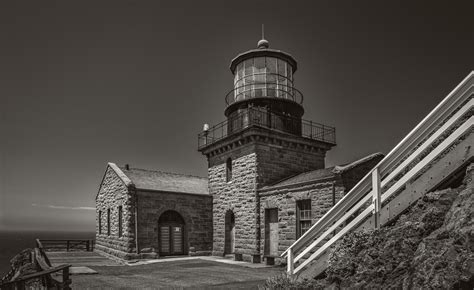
[{"x": 430, "y": 246}]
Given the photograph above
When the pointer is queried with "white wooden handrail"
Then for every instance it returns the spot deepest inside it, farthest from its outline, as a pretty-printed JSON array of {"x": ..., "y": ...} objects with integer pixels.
[
  {"x": 394, "y": 188},
  {"x": 430, "y": 129}
]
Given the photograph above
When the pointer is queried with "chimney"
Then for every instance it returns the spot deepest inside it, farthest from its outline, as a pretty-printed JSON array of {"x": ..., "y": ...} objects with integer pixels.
[{"x": 127, "y": 167}]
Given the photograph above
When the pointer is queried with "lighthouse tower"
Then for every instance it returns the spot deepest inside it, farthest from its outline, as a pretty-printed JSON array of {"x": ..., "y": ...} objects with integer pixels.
[{"x": 263, "y": 140}]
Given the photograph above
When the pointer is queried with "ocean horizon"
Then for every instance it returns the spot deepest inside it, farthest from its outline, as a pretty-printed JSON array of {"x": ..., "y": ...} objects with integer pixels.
[{"x": 13, "y": 242}]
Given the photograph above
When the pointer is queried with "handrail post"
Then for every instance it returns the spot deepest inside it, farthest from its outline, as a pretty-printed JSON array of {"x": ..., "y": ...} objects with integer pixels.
[
  {"x": 290, "y": 264},
  {"x": 376, "y": 197},
  {"x": 66, "y": 280},
  {"x": 67, "y": 246}
]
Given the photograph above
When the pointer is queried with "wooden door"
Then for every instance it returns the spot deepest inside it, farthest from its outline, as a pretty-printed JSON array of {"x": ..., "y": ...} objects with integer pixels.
[
  {"x": 229, "y": 233},
  {"x": 171, "y": 240},
  {"x": 165, "y": 247},
  {"x": 232, "y": 239},
  {"x": 177, "y": 240},
  {"x": 271, "y": 232}
]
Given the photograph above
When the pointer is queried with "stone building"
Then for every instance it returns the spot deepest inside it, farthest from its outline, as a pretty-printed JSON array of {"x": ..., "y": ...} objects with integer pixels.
[
  {"x": 145, "y": 214},
  {"x": 266, "y": 164},
  {"x": 267, "y": 181},
  {"x": 289, "y": 208}
]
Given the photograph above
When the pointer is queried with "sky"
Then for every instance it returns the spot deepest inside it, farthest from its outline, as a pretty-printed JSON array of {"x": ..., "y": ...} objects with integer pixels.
[{"x": 83, "y": 83}]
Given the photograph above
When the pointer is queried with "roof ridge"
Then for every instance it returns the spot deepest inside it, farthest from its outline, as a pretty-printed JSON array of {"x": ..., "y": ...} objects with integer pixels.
[
  {"x": 357, "y": 162},
  {"x": 160, "y": 171},
  {"x": 329, "y": 169}
]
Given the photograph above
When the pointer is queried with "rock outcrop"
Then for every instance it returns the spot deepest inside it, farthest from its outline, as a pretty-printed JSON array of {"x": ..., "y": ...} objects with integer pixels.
[{"x": 430, "y": 246}]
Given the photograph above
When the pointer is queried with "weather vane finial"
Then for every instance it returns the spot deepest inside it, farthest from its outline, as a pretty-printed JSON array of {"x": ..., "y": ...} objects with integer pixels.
[{"x": 263, "y": 43}]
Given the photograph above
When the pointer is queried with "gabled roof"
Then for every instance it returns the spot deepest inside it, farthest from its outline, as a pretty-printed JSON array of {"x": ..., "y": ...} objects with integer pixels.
[
  {"x": 320, "y": 174},
  {"x": 348, "y": 166},
  {"x": 165, "y": 181},
  {"x": 306, "y": 176}
]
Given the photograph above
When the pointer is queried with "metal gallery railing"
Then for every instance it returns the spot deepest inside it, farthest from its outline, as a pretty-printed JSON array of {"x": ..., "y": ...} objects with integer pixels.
[
  {"x": 447, "y": 123},
  {"x": 266, "y": 119}
]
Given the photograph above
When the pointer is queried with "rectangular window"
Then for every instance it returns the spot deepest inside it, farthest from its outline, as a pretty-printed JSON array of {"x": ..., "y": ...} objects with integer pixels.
[
  {"x": 228, "y": 170},
  {"x": 120, "y": 221},
  {"x": 108, "y": 222},
  {"x": 100, "y": 222},
  {"x": 303, "y": 217}
]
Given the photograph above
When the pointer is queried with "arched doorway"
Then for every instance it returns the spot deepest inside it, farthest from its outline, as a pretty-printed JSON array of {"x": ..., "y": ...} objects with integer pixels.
[
  {"x": 171, "y": 234},
  {"x": 229, "y": 244}
]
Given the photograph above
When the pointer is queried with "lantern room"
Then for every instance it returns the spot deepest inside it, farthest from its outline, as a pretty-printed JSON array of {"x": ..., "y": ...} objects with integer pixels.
[
  {"x": 264, "y": 98},
  {"x": 264, "y": 90}
]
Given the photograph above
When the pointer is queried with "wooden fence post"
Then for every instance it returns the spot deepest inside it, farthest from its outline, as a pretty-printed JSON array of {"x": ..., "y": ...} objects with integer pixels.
[
  {"x": 66, "y": 280},
  {"x": 290, "y": 265},
  {"x": 376, "y": 197}
]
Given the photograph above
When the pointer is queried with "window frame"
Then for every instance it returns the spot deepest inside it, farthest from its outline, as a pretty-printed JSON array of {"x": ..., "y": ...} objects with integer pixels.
[
  {"x": 120, "y": 224},
  {"x": 228, "y": 170},
  {"x": 303, "y": 207},
  {"x": 100, "y": 222},
  {"x": 108, "y": 222}
]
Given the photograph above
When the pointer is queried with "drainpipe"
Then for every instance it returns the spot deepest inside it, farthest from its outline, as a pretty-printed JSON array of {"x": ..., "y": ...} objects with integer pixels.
[
  {"x": 136, "y": 220},
  {"x": 333, "y": 193},
  {"x": 258, "y": 219}
]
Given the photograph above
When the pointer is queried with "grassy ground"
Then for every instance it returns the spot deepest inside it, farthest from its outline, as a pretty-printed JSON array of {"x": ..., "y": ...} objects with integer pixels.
[{"x": 176, "y": 274}]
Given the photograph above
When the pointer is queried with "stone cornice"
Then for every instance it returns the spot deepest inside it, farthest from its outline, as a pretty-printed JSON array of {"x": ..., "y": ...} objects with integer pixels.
[
  {"x": 173, "y": 192},
  {"x": 265, "y": 136}
]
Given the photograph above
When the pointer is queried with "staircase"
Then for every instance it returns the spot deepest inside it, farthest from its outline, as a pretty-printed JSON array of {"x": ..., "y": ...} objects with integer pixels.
[{"x": 432, "y": 153}]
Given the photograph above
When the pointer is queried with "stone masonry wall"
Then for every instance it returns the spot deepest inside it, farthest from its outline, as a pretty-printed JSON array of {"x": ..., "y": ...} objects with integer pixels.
[
  {"x": 321, "y": 195},
  {"x": 112, "y": 194},
  {"x": 254, "y": 165},
  {"x": 285, "y": 199},
  {"x": 277, "y": 162},
  {"x": 195, "y": 209},
  {"x": 237, "y": 195}
]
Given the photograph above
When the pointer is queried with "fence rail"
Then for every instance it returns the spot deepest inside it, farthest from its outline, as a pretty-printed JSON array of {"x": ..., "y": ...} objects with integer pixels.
[
  {"x": 266, "y": 119},
  {"x": 47, "y": 277},
  {"x": 68, "y": 244},
  {"x": 449, "y": 121}
]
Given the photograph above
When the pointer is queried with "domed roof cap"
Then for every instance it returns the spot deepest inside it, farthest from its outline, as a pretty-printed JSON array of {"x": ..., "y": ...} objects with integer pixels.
[{"x": 263, "y": 43}]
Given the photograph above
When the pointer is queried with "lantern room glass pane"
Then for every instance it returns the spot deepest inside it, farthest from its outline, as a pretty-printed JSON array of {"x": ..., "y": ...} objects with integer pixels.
[
  {"x": 240, "y": 72},
  {"x": 248, "y": 65},
  {"x": 271, "y": 64},
  {"x": 281, "y": 67},
  {"x": 259, "y": 63},
  {"x": 271, "y": 92},
  {"x": 289, "y": 72},
  {"x": 271, "y": 79}
]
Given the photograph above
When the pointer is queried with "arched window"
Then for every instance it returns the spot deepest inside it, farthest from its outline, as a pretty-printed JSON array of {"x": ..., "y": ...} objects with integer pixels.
[
  {"x": 100, "y": 222},
  {"x": 120, "y": 221},
  {"x": 228, "y": 170},
  {"x": 108, "y": 222}
]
